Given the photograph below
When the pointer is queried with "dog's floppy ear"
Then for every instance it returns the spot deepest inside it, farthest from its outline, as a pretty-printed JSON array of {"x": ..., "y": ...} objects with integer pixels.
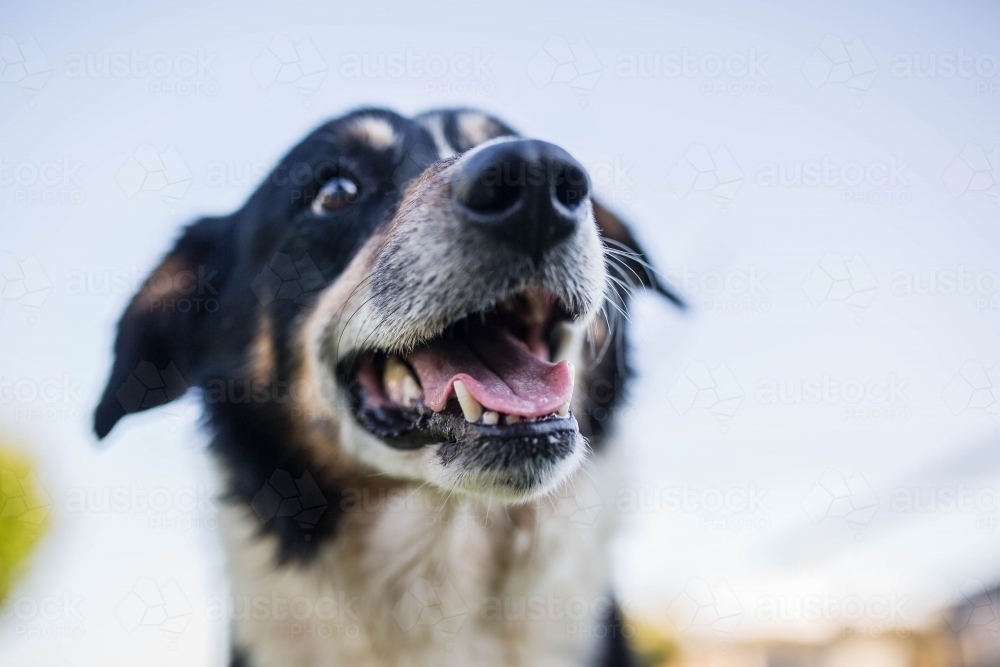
[
  {"x": 627, "y": 257},
  {"x": 155, "y": 358}
]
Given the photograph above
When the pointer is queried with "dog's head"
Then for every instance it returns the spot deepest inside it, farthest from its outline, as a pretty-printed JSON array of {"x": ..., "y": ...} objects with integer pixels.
[{"x": 417, "y": 297}]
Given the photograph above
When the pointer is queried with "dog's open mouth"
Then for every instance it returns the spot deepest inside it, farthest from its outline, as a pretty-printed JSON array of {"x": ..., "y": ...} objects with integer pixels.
[{"x": 495, "y": 374}]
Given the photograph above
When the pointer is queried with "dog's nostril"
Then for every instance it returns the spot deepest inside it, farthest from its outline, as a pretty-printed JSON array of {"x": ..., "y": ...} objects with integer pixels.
[
  {"x": 490, "y": 193},
  {"x": 571, "y": 186}
]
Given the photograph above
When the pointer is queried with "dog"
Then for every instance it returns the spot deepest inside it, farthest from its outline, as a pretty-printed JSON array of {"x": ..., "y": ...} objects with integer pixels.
[{"x": 410, "y": 348}]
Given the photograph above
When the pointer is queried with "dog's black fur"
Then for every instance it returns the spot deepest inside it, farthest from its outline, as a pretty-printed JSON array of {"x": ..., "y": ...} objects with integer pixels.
[{"x": 229, "y": 262}]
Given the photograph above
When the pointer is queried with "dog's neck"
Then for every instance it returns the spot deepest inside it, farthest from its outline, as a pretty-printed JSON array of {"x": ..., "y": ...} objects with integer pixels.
[{"x": 418, "y": 576}]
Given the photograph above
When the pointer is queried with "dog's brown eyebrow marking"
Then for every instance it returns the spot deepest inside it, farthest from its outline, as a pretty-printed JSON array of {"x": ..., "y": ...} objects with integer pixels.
[
  {"x": 477, "y": 128},
  {"x": 376, "y": 132}
]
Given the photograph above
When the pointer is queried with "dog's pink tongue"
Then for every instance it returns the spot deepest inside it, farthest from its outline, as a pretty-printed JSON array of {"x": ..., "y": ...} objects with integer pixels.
[{"x": 498, "y": 370}]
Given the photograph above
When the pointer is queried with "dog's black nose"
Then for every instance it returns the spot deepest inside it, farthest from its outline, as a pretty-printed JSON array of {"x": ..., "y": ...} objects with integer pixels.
[{"x": 529, "y": 194}]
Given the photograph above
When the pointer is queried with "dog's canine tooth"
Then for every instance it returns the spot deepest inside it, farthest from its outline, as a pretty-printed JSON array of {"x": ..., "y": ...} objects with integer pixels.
[
  {"x": 564, "y": 410},
  {"x": 400, "y": 384},
  {"x": 411, "y": 391},
  {"x": 491, "y": 418},
  {"x": 470, "y": 406},
  {"x": 513, "y": 419}
]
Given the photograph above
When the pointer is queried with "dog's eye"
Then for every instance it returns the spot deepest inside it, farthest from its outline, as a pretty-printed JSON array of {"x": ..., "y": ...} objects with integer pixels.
[{"x": 336, "y": 195}]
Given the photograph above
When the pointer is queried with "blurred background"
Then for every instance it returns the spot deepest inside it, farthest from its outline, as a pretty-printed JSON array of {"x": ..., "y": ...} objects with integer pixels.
[{"x": 812, "y": 455}]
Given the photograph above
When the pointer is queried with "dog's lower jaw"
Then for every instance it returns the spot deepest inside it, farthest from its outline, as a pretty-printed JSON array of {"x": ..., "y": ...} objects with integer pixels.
[
  {"x": 452, "y": 470},
  {"x": 417, "y": 577}
]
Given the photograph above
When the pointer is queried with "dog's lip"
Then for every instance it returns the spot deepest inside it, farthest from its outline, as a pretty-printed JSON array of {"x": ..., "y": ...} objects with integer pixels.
[{"x": 416, "y": 428}]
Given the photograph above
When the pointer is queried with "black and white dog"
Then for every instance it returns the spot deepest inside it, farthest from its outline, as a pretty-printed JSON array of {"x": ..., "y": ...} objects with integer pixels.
[{"x": 409, "y": 373}]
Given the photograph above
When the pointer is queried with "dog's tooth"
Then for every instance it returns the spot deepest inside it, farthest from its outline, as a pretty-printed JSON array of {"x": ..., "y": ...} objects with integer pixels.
[
  {"x": 513, "y": 419},
  {"x": 411, "y": 391},
  {"x": 470, "y": 406},
  {"x": 491, "y": 418},
  {"x": 400, "y": 384},
  {"x": 564, "y": 410}
]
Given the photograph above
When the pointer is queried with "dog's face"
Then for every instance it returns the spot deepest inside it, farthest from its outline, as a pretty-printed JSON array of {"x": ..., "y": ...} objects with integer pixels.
[{"x": 416, "y": 298}]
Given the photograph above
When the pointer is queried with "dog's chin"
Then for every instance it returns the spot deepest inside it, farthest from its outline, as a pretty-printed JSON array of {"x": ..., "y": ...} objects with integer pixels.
[
  {"x": 510, "y": 464},
  {"x": 514, "y": 482}
]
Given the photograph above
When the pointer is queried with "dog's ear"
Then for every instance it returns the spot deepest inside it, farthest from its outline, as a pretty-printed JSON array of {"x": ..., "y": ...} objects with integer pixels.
[
  {"x": 155, "y": 358},
  {"x": 627, "y": 258}
]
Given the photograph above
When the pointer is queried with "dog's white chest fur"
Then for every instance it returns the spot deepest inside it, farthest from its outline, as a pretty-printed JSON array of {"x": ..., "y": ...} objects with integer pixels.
[{"x": 416, "y": 578}]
